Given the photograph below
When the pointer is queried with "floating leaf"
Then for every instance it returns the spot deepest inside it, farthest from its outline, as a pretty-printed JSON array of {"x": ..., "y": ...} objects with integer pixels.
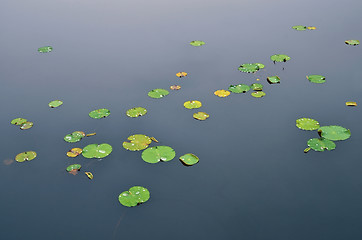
[
  {"x": 280, "y": 58},
  {"x": 273, "y": 79},
  {"x": 89, "y": 175},
  {"x": 201, "y": 115},
  {"x": 55, "y": 103},
  {"x": 158, "y": 93},
  {"x": 307, "y": 149},
  {"x": 25, "y": 156},
  {"x": 72, "y": 167},
  {"x": 136, "y": 112},
  {"x": 352, "y": 104},
  {"x": 74, "y": 136},
  {"x": 97, "y": 150},
  {"x": 90, "y": 134},
  {"x": 320, "y": 144},
  {"x": 157, "y": 154},
  {"x": 240, "y": 88},
  {"x": 18, "y": 121},
  {"x": 197, "y": 43},
  {"x": 45, "y": 49},
  {"x": 222, "y": 93},
  {"x": 316, "y": 78},
  {"x": 257, "y": 86},
  {"x": 189, "y": 159},
  {"x": 175, "y": 87},
  {"x": 153, "y": 139},
  {"x": 260, "y": 65},
  {"x": 307, "y": 124},
  {"x": 312, "y": 28},
  {"x": 134, "y": 196},
  {"x": 137, "y": 142},
  {"x": 300, "y": 28},
  {"x": 100, "y": 113},
  {"x": 26, "y": 125},
  {"x": 74, "y": 152},
  {"x": 192, "y": 104},
  {"x": 249, "y": 68},
  {"x": 352, "y": 42},
  {"x": 181, "y": 74},
  {"x": 334, "y": 133},
  {"x": 258, "y": 94}
]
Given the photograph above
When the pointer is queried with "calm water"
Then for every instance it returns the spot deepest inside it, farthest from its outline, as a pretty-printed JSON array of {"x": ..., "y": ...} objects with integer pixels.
[{"x": 253, "y": 180}]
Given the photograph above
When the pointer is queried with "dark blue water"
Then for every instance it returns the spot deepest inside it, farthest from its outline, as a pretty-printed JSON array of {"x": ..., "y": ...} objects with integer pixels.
[{"x": 253, "y": 180}]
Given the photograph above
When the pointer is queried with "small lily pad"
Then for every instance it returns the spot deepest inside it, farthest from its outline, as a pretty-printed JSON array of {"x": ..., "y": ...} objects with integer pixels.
[
  {"x": 18, "y": 121},
  {"x": 192, "y": 104},
  {"x": 55, "y": 103},
  {"x": 260, "y": 65},
  {"x": 316, "y": 78},
  {"x": 258, "y": 94},
  {"x": 134, "y": 196},
  {"x": 74, "y": 152},
  {"x": 351, "y": 104},
  {"x": 311, "y": 28},
  {"x": 90, "y": 134},
  {"x": 240, "y": 88},
  {"x": 307, "y": 150},
  {"x": 273, "y": 79},
  {"x": 158, "y": 93},
  {"x": 222, "y": 93},
  {"x": 73, "y": 167},
  {"x": 201, "y": 116},
  {"x": 300, "y": 28},
  {"x": 89, "y": 175},
  {"x": 197, "y": 43},
  {"x": 321, "y": 144},
  {"x": 189, "y": 159},
  {"x": 157, "y": 154},
  {"x": 181, "y": 74},
  {"x": 257, "y": 86},
  {"x": 45, "y": 49},
  {"x": 334, "y": 133},
  {"x": 280, "y": 58},
  {"x": 97, "y": 150},
  {"x": 137, "y": 142},
  {"x": 25, "y": 156},
  {"x": 74, "y": 136},
  {"x": 175, "y": 87},
  {"x": 249, "y": 68},
  {"x": 100, "y": 113},
  {"x": 136, "y": 112},
  {"x": 307, "y": 124},
  {"x": 26, "y": 125},
  {"x": 352, "y": 42}
]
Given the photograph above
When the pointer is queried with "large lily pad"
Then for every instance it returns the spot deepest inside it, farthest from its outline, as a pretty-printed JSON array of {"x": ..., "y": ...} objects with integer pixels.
[
  {"x": 134, "y": 196},
  {"x": 280, "y": 58},
  {"x": 197, "y": 43},
  {"x": 189, "y": 159},
  {"x": 273, "y": 79},
  {"x": 97, "y": 150},
  {"x": 100, "y": 113},
  {"x": 222, "y": 93},
  {"x": 55, "y": 103},
  {"x": 307, "y": 124},
  {"x": 258, "y": 94},
  {"x": 158, "y": 93},
  {"x": 74, "y": 136},
  {"x": 320, "y": 144},
  {"x": 334, "y": 133},
  {"x": 136, "y": 112},
  {"x": 18, "y": 121},
  {"x": 192, "y": 104},
  {"x": 352, "y": 42},
  {"x": 157, "y": 154},
  {"x": 201, "y": 116},
  {"x": 316, "y": 78},
  {"x": 257, "y": 86},
  {"x": 25, "y": 156},
  {"x": 45, "y": 49},
  {"x": 300, "y": 27},
  {"x": 249, "y": 67},
  {"x": 137, "y": 142},
  {"x": 26, "y": 125},
  {"x": 239, "y": 88}
]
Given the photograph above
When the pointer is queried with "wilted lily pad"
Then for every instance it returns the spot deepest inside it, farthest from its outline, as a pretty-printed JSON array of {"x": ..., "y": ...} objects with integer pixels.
[
  {"x": 100, "y": 113},
  {"x": 25, "y": 156},
  {"x": 240, "y": 88},
  {"x": 201, "y": 115},
  {"x": 192, "y": 104},
  {"x": 257, "y": 86},
  {"x": 352, "y": 42},
  {"x": 197, "y": 43},
  {"x": 97, "y": 150},
  {"x": 189, "y": 159},
  {"x": 74, "y": 136},
  {"x": 74, "y": 152},
  {"x": 74, "y": 168},
  {"x": 45, "y": 49},
  {"x": 26, "y": 125},
  {"x": 154, "y": 139},
  {"x": 181, "y": 74},
  {"x": 175, "y": 87},
  {"x": 258, "y": 94},
  {"x": 316, "y": 78},
  {"x": 136, "y": 112},
  {"x": 18, "y": 121},
  {"x": 137, "y": 142},
  {"x": 134, "y": 196},
  {"x": 307, "y": 124},
  {"x": 351, "y": 104},
  {"x": 158, "y": 93},
  {"x": 89, "y": 175},
  {"x": 334, "y": 133},
  {"x": 249, "y": 67},
  {"x": 55, "y": 103},
  {"x": 280, "y": 58},
  {"x": 320, "y": 144},
  {"x": 157, "y": 154},
  {"x": 300, "y": 28},
  {"x": 273, "y": 79},
  {"x": 222, "y": 93}
]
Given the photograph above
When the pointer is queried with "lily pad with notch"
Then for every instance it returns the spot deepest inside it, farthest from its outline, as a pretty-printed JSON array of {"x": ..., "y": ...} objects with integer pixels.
[
  {"x": 158, "y": 154},
  {"x": 334, "y": 133},
  {"x": 158, "y": 93},
  {"x": 97, "y": 150},
  {"x": 192, "y": 104},
  {"x": 258, "y": 94},
  {"x": 55, "y": 103},
  {"x": 18, "y": 121},
  {"x": 25, "y": 156},
  {"x": 239, "y": 88},
  {"x": 137, "y": 142},
  {"x": 136, "y": 112},
  {"x": 134, "y": 196},
  {"x": 74, "y": 136},
  {"x": 321, "y": 144},
  {"x": 280, "y": 58},
  {"x": 201, "y": 116},
  {"x": 273, "y": 79},
  {"x": 316, "y": 78},
  {"x": 100, "y": 113}
]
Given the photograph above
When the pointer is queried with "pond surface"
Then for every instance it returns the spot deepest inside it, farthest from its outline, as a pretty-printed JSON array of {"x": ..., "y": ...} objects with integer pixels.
[{"x": 253, "y": 180}]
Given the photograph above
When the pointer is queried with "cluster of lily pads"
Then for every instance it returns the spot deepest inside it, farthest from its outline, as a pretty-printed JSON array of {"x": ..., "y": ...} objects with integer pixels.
[{"x": 22, "y": 122}]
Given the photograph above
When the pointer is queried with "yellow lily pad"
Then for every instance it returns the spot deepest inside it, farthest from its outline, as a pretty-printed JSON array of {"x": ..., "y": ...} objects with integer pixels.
[
  {"x": 181, "y": 74},
  {"x": 351, "y": 104},
  {"x": 175, "y": 87},
  {"x": 74, "y": 152},
  {"x": 89, "y": 175},
  {"x": 222, "y": 93}
]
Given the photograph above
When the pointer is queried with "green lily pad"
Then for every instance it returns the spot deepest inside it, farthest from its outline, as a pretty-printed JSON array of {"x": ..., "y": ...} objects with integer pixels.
[
  {"x": 280, "y": 58},
  {"x": 352, "y": 42},
  {"x": 26, "y": 125},
  {"x": 320, "y": 144},
  {"x": 137, "y": 142},
  {"x": 197, "y": 43},
  {"x": 55, "y": 103},
  {"x": 258, "y": 94},
  {"x": 316, "y": 78},
  {"x": 192, "y": 104},
  {"x": 201, "y": 116},
  {"x": 260, "y": 65},
  {"x": 300, "y": 27},
  {"x": 334, "y": 133},
  {"x": 100, "y": 113},
  {"x": 134, "y": 196},
  {"x": 257, "y": 86},
  {"x": 18, "y": 121},
  {"x": 273, "y": 79},
  {"x": 45, "y": 49},
  {"x": 307, "y": 124},
  {"x": 73, "y": 167},
  {"x": 157, "y": 154},
  {"x": 249, "y": 67},
  {"x": 25, "y": 156},
  {"x": 97, "y": 150},
  {"x": 240, "y": 88},
  {"x": 158, "y": 93},
  {"x": 74, "y": 136},
  {"x": 189, "y": 159},
  {"x": 136, "y": 112}
]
